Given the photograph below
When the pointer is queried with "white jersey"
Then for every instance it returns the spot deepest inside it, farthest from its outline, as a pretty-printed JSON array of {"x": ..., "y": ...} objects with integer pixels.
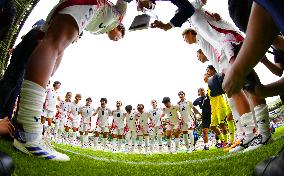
[
  {"x": 185, "y": 109},
  {"x": 118, "y": 118},
  {"x": 87, "y": 113},
  {"x": 51, "y": 96},
  {"x": 75, "y": 108},
  {"x": 143, "y": 118},
  {"x": 107, "y": 17},
  {"x": 208, "y": 51},
  {"x": 131, "y": 121},
  {"x": 172, "y": 114},
  {"x": 65, "y": 108},
  {"x": 155, "y": 115},
  {"x": 98, "y": 16},
  {"x": 103, "y": 116},
  {"x": 220, "y": 34}
]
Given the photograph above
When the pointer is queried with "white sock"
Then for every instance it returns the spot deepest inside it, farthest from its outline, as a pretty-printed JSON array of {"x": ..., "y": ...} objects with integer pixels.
[
  {"x": 237, "y": 120},
  {"x": 249, "y": 125},
  {"x": 206, "y": 144},
  {"x": 86, "y": 139},
  {"x": 82, "y": 139},
  {"x": 262, "y": 120},
  {"x": 140, "y": 142},
  {"x": 177, "y": 143},
  {"x": 152, "y": 142},
  {"x": 133, "y": 141},
  {"x": 169, "y": 143},
  {"x": 119, "y": 144},
  {"x": 30, "y": 108},
  {"x": 191, "y": 138},
  {"x": 104, "y": 141},
  {"x": 160, "y": 140},
  {"x": 146, "y": 141},
  {"x": 96, "y": 141},
  {"x": 185, "y": 138}
]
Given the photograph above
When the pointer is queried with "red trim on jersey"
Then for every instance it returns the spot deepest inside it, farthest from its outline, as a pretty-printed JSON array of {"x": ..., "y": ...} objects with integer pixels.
[{"x": 238, "y": 37}]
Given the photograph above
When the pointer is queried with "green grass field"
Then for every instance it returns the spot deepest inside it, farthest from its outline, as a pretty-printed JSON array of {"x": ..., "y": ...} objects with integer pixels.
[{"x": 89, "y": 162}]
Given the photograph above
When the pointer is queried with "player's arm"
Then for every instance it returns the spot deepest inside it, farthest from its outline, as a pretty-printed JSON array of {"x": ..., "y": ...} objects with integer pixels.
[
  {"x": 276, "y": 69},
  {"x": 185, "y": 11},
  {"x": 196, "y": 102},
  {"x": 110, "y": 113},
  {"x": 96, "y": 112},
  {"x": 121, "y": 7}
]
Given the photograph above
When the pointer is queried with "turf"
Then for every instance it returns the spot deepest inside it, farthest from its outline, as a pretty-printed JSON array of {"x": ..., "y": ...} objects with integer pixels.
[{"x": 212, "y": 162}]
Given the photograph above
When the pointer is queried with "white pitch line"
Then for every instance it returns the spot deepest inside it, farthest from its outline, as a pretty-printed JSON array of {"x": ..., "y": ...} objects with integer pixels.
[{"x": 154, "y": 163}]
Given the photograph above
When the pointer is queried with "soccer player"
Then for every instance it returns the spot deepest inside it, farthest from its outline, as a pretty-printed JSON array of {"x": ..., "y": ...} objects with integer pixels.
[
  {"x": 86, "y": 112},
  {"x": 173, "y": 123},
  {"x": 49, "y": 106},
  {"x": 74, "y": 122},
  {"x": 203, "y": 102},
  {"x": 118, "y": 124},
  {"x": 143, "y": 129},
  {"x": 102, "y": 122},
  {"x": 186, "y": 109},
  {"x": 63, "y": 25},
  {"x": 221, "y": 110},
  {"x": 217, "y": 116},
  {"x": 209, "y": 50},
  {"x": 226, "y": 55},
  {"x": 131, "y": 125},
  {"x": 65, "y": 110},
  {"x": 155, "y": 115}
]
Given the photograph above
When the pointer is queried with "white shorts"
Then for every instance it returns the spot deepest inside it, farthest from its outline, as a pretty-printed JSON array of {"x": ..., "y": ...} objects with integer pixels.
[
  {"x": 186, "y": 125},
  {"x": 223, "y": 63},
  {"x": 81, "y": 12},
  {"x": 75, "y": 124},
  {"x": 158, "y": 130},
  {"x": 117, "y": 131},
  {"x": 47, "y": 113},
  {"x": 102, "y": 129},
  {"x": 132, "y": 134},
  {"x": 171, "y": 127},
  {"x": 85, "y": 127},
  {"x": 68, "y": 123},
  {"x": 60, "y": 123},
  {"x": 143, "y": 130}
]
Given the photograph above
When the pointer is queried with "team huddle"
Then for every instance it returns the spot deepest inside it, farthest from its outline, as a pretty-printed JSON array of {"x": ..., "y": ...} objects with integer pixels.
[{"x": 235, "y": 98}]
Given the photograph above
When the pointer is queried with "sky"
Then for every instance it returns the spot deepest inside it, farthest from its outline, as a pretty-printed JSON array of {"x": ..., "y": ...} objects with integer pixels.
[{"x": 144, "y": 65}]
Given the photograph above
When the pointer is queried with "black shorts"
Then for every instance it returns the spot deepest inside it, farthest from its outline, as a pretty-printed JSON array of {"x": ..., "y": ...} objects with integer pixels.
[
  {"x": 239, "y": 12},
  {"x": 206, "y": 121}
]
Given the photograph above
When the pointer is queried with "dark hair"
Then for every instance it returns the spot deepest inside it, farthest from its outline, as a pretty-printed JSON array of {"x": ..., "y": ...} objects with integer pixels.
[
  {"x": 181, "y": 92},
  {"x": 199, "y": 51},
  {"x": 89, "y": 98},
  {"x": 166, "y": 100},
  {"x": 128, "y": 108},
  {"x": 55, "y": 83},
  {"x": 103, "y": 99},
  {"x": 121, "y": 28},
  {"x": 140, "y": 106},
  {"x": 211, "y": 67},
  {"x": 189, "y": 30}
]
